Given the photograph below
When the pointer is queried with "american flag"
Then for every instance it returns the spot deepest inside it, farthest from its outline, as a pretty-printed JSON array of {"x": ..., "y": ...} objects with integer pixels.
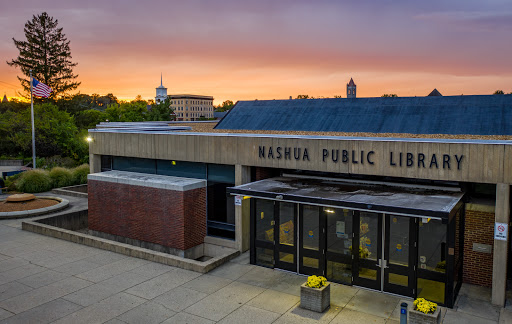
[{"x": 40, "y": 89}]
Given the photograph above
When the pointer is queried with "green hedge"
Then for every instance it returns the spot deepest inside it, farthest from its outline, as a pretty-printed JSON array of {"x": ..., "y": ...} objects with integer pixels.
[
  {"x": 61, "y": 177},
  {"x": 80, "y": 174},
  {"x": 34, "y": 181}
]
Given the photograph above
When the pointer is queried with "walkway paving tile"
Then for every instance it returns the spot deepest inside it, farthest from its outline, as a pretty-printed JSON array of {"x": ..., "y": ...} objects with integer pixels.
[
  {"x": 300, "y": 315},
  {"x": 115, "y": 321},
  {"x": 505, "y": 316},
  {"x": 20, "y": 272},
  {"x": 12, "y": 289},
  {"x": 11, "y": 263},
  {"x": 453, "y": 317},
  {"x": 152, "y": 269},
  {"x": 478, "y": 308},
  {"x": 147, "y": 313},
  {"x": 43, "y": 278},
  {"x": 244, "y": 258},
  {"x": 289, "y": 283},
  {"x": 76, "y": 267},
  {"x": 237, "y": 291},
  {"x": 45, "y": 313},
  {"x": 476, "y": 292},
  {"x": 231, "y": 270},
  {"x": 274, "y": 301},
  {"x": 43, "y": 295},
  {"x": 102, "y": 290},
  {"x": 105, "y": 257},
  {"x": 5, "y": 314},
  {"x": 179, "y": 298},
  {"x": 207, "y": 284},
  {"x": 248, "y": 314},
  {"x": 104, "y": 311},
  {"x": 163, "y": 283},
  {"x": 348, "y": 316},
  {"x": 184, "y": 318},
  {"x": 374, "y": 303},
  {"x": 212, "y": 308},
  {"x": 342, "y": 294},
  {"x": 111, "y": 269},
  {"x": 263, "y": 277}
]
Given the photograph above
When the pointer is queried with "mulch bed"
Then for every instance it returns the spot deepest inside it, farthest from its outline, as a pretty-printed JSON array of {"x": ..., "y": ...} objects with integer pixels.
[{"x": 27, "y": 205}]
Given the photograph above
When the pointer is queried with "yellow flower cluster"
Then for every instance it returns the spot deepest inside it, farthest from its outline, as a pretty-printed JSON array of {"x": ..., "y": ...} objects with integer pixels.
[
  {"x": 425, "y": 306},
  {"x": 316, "y": 281}
]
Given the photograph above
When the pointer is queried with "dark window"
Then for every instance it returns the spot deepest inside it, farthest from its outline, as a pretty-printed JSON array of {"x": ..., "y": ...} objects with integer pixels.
[
  {"x": 134, "y": 164},
  {"x": 181, "y": 169},
  {"x": 106, "y": 163},
  {"x": 221, "y": 207}
]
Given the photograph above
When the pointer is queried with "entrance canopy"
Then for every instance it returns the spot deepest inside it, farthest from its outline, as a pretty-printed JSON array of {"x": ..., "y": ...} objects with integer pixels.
[{"x": 425, "y": 202}]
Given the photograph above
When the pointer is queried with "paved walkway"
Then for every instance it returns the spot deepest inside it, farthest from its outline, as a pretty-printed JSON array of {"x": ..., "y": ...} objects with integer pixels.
[{"x": 45, "y": 280}]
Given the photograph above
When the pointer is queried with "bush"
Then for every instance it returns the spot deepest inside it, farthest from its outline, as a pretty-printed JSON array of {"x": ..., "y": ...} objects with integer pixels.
[
  {"x": 61, "y": 177},
  {"x": 80, "y": 174},
  {"x": 11, "y": 181},
  {"x": 34, "y": 181}
]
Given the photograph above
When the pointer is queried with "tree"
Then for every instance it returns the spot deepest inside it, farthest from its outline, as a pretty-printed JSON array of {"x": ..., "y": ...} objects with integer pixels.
[
  {"x": 302, "y": 96},
  {"x": 46, "y": 51},
  {"x": 389, "y": 95},
  {"x": 226, "y": 105},
  {"x": 498, "y": 92},
  {"x": 160, "y": 111},
  {"x": 337, "y": 96}
]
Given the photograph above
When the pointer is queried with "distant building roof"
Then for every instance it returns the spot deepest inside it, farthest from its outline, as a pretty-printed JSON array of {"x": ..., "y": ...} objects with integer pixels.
[
  {"x": 4, "y": 100},
  {"x": 190, "y": 96},
  {"x": 435, "y": 93},
  {"x": 220, "y": 114},
  {"x": 471, "y": 115}
]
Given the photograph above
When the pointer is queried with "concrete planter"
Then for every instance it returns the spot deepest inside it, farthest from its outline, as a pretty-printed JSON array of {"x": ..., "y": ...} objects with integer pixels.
[
  {"x": 416, "y": 317},
  {"x": 315, "y": 299}
]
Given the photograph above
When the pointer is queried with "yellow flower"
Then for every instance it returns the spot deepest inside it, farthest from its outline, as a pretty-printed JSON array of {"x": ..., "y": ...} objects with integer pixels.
[
  {"x": 316, "y": 281},
  {"x": 425, "y": 306}
]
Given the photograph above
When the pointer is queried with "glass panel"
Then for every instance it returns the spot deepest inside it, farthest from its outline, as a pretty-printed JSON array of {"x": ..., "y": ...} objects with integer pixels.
[
  {"x": 286, "y": 257},
  {"x": 181, "y": 169},
  {"x": 265, "y": 257},
  {"x": 368, "y": 236},
  {"x": 264, "y": 220},
  {"x": 397, "y": 279},
  {"x": 399, "y": 240},
  {"x": 134, "y": 164},
  {"x": 221, "y": 173},
  {"x": 106, "y": 163},
  {"x": 339, "y": 230},
  {"x": 432, "y": 245},
  {"x": 286, "y": 224},
  {"x": 310, "y": 262},
  {"x": 339, "y": 272},
  {"x": 368, "y": 273},
  {"x": 311, "y": 230},
  {"x": 431, "y": 290}
]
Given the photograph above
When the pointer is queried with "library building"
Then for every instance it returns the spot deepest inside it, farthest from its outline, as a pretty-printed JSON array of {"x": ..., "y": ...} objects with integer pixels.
[{"x": 404, "y": 195}]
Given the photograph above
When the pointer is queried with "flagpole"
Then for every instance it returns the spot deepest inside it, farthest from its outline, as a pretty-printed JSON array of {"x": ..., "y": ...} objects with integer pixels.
[{"x": 33, "y": 128}]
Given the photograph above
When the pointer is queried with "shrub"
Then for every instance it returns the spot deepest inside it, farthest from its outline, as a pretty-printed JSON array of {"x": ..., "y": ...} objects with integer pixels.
[
  {"x": 61, "y": 177},
  {"x": 11, "y": 181},
  {"x": 80, "y": 174},
  {"x": 34, "y": 181}
]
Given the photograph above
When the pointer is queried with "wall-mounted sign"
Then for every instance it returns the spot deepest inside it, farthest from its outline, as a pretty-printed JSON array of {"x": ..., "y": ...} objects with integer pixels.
[
  {"x": 340, "y": 228},
  {"x": 500, "y": 231},
  {"x": 238, "y": 200}
]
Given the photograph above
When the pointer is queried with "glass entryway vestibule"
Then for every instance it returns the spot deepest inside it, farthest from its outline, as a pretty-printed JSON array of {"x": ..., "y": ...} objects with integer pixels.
[{"x": 373, "y": 250}]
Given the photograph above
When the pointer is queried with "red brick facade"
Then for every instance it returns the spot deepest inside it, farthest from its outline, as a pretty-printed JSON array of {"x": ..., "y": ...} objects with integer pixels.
[
  {"x": 479, "y": 228},
  {"x": 175, "y": 219},
  {"x": 265, "y": 173}
]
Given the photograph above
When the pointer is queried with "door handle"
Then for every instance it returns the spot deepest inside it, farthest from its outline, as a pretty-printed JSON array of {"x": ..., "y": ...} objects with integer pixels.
[
  {"x": 379, "y": 264},
  {"x": 385, "y": 266}
]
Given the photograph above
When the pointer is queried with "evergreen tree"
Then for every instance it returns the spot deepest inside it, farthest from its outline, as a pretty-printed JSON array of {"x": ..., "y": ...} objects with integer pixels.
[{"x": 46, "y": 51}]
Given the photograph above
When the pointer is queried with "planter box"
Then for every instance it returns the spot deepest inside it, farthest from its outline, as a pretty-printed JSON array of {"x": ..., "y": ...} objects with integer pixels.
[
  {"x": 315, "y": 299},
  {"x": 416, "y": 317}
]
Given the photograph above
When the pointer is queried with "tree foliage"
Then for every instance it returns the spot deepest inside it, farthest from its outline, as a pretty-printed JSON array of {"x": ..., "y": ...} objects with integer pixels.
[
  {"x": 46, "y": 51},
  {"x": 160, "y": 111},
  {"x": 226, "y": 105},
  {"x": 498, "y": 92},
  {"x": 389, "y": 95}
]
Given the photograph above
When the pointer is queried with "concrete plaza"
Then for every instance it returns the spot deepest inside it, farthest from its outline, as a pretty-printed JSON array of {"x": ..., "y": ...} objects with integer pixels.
[{"x": 46, "y": 280}]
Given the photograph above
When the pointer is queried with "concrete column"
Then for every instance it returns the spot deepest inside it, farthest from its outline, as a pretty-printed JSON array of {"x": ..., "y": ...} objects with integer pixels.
[
  {"x": 94, "y": 163},
  {"x": 242, "y": 213},
  {"x": 500, "y": 257}
]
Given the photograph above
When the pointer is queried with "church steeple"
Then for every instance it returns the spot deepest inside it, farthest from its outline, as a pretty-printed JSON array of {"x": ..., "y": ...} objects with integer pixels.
[
  {"x": 351, "y": 89},
  {"x": 161, "y": 91}
]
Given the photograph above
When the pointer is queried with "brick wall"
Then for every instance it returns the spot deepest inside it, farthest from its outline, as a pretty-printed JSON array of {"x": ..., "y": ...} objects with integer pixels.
[
  {"x": 265, "y": 173},
  {"x": 175, "y": 219},
  {"x": 479, "y": 228}
]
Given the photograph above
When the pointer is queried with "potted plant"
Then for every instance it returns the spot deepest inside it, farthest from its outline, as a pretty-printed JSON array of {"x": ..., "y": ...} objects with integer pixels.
[
  {"x": 315, "y": 294},
  {"x": 424, "y": 312}
]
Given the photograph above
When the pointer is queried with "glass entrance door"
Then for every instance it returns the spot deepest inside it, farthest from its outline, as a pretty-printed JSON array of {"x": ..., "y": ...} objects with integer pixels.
[
  {"x": 339, "y": 244},
  {"x": 399, "y": 255},
  {"x": 367, "y": 250},
  {"x": 286, "y": 248},
  {"x": 311, "y": 241}
]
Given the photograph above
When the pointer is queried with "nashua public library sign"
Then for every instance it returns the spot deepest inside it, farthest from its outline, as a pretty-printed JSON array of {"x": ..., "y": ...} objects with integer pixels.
[{"x": 398, "y": 159}]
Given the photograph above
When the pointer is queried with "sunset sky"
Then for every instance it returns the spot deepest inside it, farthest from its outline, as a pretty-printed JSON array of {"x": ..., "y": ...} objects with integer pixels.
[{"x": 273, "y": 49}]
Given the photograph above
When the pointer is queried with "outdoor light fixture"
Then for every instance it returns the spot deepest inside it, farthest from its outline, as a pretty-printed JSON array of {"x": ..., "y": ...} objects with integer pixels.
[
  {"x": 88, "y": 139},
  {"x": 330, "y": 211}
]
